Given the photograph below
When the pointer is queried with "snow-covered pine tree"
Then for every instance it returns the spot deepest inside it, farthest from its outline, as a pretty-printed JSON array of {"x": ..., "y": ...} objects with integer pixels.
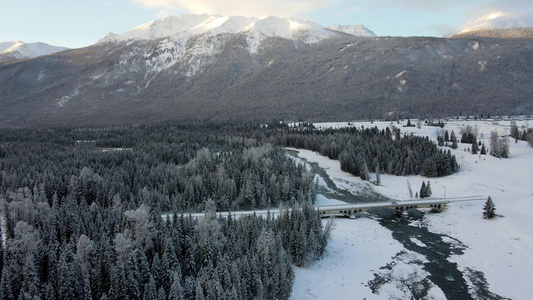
[
  {"x": 422, "y": 193},
  {"x": 489, "y": 210},
  {"x": 150, "y": 291},
  {"x": 475, "y": 148},
  {"x": 514, "y": 129},
  {"x": 453, "y": 138},
  {"x": 364, "y": 171},
  {"x": 429, "y": 168},
  {"x": 504, "y": 147},
  {"x": 378, "y": 173},
  {"x": 483, "y": 149}
]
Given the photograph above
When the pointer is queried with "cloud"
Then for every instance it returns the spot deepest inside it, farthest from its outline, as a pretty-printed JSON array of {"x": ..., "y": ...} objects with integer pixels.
[
  {"x": 498, "y": 19},
  {"x": 500, "y": 14},
  {"x": 421, "y": 5},
  {"x": 236, "y": 7}
]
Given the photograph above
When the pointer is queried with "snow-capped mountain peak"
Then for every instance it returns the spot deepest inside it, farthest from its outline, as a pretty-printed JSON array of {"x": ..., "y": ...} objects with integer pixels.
[
  {"x": 174, "y": 42},
  {"x": 21, "y": 50},
  {"x": 220, "y": 24},
  {"x": 289, "y": 28},
  {"x": 165, "y": 27},
  {"x": 270, "y": 26}
]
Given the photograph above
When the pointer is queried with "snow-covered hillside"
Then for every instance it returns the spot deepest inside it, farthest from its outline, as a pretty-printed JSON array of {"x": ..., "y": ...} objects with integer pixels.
[
  {"x": 271, "y": 26},
  {"x": 195, "y": 40},
  {"x": 357, "y": 30},
  {"x": 500, "y": 248},
  {"x": 20, "y": 50}
]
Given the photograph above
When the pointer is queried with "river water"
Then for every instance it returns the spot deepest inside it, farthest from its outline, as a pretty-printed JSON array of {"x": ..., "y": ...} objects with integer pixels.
[{"x": 414, "y": 235}]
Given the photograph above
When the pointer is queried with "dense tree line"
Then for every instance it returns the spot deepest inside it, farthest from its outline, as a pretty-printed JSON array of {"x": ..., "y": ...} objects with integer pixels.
[
  {"x": 168, "y": 171},
  {"x": 82, "y": 220},
  {"x": 369, "y": 150}
]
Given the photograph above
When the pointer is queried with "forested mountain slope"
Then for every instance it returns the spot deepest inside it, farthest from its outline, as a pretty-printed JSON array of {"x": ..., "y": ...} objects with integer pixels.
[{"x": 241, "y": 76}]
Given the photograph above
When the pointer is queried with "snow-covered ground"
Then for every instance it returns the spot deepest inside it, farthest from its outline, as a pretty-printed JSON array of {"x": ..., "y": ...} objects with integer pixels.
[{"x": 501, "y": 248}]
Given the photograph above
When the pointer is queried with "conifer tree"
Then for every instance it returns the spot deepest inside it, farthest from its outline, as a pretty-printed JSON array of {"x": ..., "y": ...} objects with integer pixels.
[
  {"x": 150, "y": 291},
  {"x": 428, "y": 190},
  {"x": 483, "y": 149},
  {"x": 489, "y": 210},
  {"x": 364, "y": 171},
  {"x": 475, "y": 148},
  {"x": 514, "y": 129},
  {"x": 6, "y": 291},
  {"x": 423, "y": 190},
  {"x": 176, "y": 290},
  {"x": 504, "y": 147},
  {"x": 378, "y": 174},
  {"x": 454, "y": 140},
  {"x": 429, "y": 168}
]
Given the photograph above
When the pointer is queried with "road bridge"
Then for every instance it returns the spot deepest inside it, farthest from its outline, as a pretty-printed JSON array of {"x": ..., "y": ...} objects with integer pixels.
[
  {"x": 351, "y": 210},
  {"x": 400, "y": 206}
]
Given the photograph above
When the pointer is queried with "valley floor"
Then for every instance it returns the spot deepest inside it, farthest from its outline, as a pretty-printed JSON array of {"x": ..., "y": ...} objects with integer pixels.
[{"x": 501, "y": 248}]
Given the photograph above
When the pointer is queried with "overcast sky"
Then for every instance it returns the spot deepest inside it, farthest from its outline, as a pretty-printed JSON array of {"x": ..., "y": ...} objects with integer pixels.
[{"x": 73, "y": 23}]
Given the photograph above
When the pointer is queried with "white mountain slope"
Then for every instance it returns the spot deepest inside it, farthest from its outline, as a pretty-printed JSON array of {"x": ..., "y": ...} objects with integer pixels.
[
  {"x": 165, "y": 27},
  {"x": 196, "y": 39},
  {"x": 193, "y": 41},
  {"x": 271, "y": 26},
  {"x": 21, "y": 50},
  {"x": 357, "y": 30}
]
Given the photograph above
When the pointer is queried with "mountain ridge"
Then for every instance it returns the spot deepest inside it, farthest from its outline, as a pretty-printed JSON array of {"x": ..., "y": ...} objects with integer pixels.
[
  {"x": 218, "y": 77},
  {"x": 221, "y": 68},
  {"x": 270, "y": 26},
  {"x": 20, "y": 50},
  {"x": 513, "y": 32}
]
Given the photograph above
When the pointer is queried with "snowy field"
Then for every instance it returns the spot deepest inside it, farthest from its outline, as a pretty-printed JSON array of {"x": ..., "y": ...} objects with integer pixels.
[{"x": 501, "y": 248}]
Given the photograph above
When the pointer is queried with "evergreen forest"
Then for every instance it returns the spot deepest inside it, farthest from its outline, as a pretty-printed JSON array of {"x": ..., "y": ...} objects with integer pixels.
[{"x": 81, "y": 209}]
